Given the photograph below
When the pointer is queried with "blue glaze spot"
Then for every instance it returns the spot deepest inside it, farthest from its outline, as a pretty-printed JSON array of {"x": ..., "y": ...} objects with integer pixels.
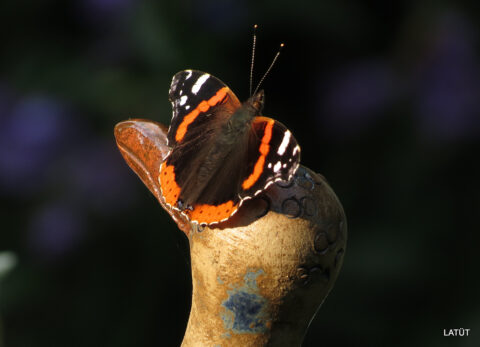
[{"x": 245, "y": 308}]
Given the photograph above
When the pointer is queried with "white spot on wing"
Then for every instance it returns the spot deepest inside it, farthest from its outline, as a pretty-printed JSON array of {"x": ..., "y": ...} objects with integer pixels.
[
  {"x": 296, "y": 149},
  {"x": 201, "y": 80},
  {"x": 269, "y": 165},
  {"x": 189, "y": 74},
  {"x": 277, "y": 167},
  {"x": 187, "y": 107},
  {"x": 285, "y": 141},
  {"x": 183, "y": 100}
]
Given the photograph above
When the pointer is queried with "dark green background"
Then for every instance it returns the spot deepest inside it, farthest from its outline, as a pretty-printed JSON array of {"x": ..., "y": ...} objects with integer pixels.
[{"x": 383, "y": 99}]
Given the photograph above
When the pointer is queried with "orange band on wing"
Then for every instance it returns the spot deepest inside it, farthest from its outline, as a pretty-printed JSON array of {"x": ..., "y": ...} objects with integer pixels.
[
  {"x": 202, "y": 107},
  {"x": 170, "y": 188},
  {"x": 207, "y": 214},
  {"x": 264, "y": 149}
]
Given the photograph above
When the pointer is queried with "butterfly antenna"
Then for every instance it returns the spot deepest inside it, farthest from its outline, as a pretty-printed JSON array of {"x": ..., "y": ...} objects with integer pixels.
[
  {"x": 253, "y": 56},
  {"x": 269, "y": 68}
]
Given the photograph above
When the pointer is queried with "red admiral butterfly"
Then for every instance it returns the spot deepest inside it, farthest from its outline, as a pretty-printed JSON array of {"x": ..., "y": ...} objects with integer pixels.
[{"x": 222, "y": 152}]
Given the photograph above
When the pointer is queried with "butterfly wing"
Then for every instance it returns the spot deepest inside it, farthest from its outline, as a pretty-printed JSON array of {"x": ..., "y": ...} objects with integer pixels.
[
  {"x": 273, "y": 155},
  {"x": 201, "y": 106},
  {"x": 196, "y": 95}
]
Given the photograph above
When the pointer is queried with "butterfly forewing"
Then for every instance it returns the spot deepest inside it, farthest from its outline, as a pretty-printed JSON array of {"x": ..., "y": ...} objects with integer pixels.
[
  {"x": 196, "y": 95},
  {"x": 273, "y": 155}
]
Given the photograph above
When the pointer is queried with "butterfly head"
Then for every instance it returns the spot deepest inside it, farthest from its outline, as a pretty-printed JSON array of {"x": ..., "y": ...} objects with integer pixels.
[{"x": 256, "y": 102}]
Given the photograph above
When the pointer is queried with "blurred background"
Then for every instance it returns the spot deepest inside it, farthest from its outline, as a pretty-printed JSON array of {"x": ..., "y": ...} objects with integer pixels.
[{"x": 383, "y": 98}]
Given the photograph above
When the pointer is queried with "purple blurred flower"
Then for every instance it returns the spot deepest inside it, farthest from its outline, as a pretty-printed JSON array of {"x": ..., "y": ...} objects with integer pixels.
[
  {"x": 56, "y": 229},
  {"x": 357, "y": 95},
  {"x": 448, "y": 87},
  {"x": 32, "y": 133}
]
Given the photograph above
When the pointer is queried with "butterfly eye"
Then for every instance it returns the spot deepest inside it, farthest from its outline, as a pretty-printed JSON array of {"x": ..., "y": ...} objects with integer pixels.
[{"x": 261, "y": 96}]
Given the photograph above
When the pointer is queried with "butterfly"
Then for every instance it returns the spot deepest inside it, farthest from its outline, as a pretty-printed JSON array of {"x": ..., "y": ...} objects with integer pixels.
[{"x": 223, "y": 152}]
